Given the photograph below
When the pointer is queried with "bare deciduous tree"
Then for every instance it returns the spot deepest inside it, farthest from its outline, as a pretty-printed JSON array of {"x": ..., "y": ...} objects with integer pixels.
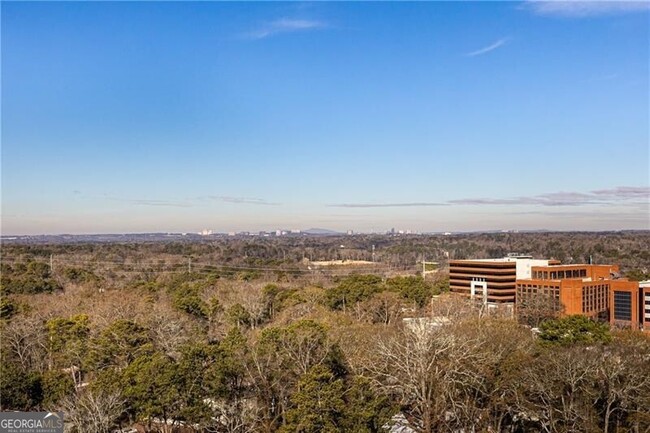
[
  {"x": 559, "y": 390},
  {"x": 624, "y": 383},
  {"x": 93, "y": 411},
  {"x": 25, "y": 338},
  {"x": 533, "y": 309},
  {"x": 233, "y": 417},
  {"x": 424, "y": 368},
  {"x": 170, "y": 329}
]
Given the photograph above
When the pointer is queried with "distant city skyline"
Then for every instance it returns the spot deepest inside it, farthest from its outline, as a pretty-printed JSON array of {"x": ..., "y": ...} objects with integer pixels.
[{"x": 135, "y": 117}]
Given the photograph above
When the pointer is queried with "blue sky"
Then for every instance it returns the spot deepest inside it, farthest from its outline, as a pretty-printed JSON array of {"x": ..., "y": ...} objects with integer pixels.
[{"x": 163, "y": 116}]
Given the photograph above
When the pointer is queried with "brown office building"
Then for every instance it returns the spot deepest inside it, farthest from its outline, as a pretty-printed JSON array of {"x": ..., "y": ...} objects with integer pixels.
[
  {"x": 580, "y": 289},
  {"x": 595, "y": 291},
  {"x": 492, "y": 280},
  {"x": 498, "y": 276}
]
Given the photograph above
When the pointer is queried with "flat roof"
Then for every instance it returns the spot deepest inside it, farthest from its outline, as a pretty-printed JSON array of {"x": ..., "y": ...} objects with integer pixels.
[{"x": 500, "y": 260}]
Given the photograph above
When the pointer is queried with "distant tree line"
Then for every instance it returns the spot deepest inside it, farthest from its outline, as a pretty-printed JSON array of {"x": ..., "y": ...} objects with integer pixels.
[{"x": 626, "y": 248}]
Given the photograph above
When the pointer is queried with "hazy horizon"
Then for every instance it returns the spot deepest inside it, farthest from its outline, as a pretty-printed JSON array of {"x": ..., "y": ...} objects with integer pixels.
[
  {"x": 253, "y": 233},
  {"x": 142, "y": 117}
]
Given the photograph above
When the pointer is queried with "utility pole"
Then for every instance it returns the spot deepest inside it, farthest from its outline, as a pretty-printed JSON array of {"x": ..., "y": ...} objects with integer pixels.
[
  {"x": 373, "y": 253},
  {"x": 424, "y": 267},
  {"x": 51, "y": 263},
  {"x": 189, "y": 265}
]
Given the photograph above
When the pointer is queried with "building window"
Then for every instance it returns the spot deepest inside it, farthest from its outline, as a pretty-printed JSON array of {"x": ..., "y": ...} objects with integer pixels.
[{"x": 622, "y": 306}]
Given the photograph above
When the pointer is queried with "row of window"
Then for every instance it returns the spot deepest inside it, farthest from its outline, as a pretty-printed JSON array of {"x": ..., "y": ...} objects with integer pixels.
[
  {"x": 595, "y": 298},
  {"x": 536, "y": 287},
  {"x": 528, "y": 292},
  {"x": 558, "y": 275}
]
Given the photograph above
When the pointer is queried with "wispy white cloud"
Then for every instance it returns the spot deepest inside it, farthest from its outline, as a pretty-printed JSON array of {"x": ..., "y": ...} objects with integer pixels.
[
  {"x": 489, "y": 48},
  {"x": 242, "y": 200},
  {"x": 585, "y": 214},
  {"x": 284, "y": 25},
  {"x": 581, "y": 9},
  {"x": 621, "y": 194},
  {"x": 371, "y": 205},
  {"x": 624, "y": 192},
  {"x": 148, "y": 202},
  {"x": 628, "y": 195},
  {"x": 191, "y": 202}
]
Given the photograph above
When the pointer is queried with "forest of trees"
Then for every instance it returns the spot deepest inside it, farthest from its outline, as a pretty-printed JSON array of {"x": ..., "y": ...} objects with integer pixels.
[
  {"x": 235, "y": 337},
  {"x": 399, "y": 252}
]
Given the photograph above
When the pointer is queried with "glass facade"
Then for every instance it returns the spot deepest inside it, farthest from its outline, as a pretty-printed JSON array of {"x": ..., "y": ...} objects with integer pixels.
[{"x": 622, "y": 306}]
